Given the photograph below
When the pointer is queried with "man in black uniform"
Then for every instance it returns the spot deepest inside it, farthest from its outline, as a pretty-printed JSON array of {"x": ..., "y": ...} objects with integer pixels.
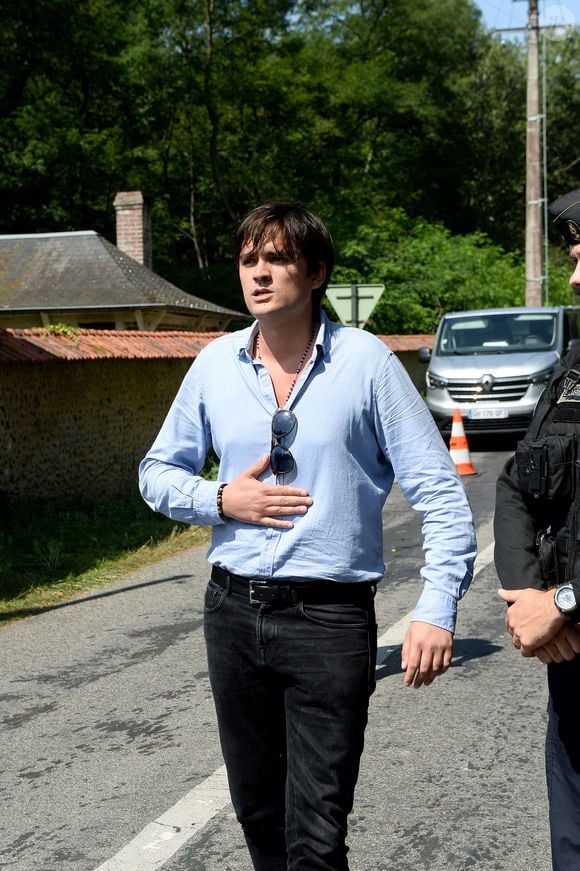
[{"x": 537, "y": 557}]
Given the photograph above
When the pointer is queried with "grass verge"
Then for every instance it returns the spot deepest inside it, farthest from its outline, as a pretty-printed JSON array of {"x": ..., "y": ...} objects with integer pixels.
[{"x": 52, "y": 552}]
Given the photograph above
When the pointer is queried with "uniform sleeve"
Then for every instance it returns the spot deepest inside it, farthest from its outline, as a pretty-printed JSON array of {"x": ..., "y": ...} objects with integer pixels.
[{"x": 515, "y": 529}]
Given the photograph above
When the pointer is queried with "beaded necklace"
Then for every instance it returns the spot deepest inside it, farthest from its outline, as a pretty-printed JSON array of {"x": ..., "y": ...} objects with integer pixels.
[{"x": 300, "y": 364}]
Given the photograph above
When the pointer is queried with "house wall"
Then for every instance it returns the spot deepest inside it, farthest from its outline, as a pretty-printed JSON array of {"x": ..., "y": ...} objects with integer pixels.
[{"x": 78, "y": 430}]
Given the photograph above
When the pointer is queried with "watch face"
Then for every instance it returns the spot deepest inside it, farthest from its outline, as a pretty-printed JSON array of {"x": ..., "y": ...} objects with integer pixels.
[{"x": 565, "y": 598}]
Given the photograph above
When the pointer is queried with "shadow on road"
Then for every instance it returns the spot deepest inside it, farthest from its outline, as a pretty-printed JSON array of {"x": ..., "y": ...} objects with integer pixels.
[
  {"x": 464, "y": 651},
  {"x": 29, "y": 612}
]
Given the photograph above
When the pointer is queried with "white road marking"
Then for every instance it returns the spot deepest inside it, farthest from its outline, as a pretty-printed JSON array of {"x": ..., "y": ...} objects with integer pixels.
[
  {"x": 392, "y": 639},
  {"x": 161, "y": 839}
]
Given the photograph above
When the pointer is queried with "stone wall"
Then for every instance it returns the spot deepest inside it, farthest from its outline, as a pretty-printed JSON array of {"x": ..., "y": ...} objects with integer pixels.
[{"x": 77, "y": 430}]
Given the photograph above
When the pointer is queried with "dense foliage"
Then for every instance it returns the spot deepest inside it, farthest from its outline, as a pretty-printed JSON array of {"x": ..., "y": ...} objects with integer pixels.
[{"x": 402, "y": 123}]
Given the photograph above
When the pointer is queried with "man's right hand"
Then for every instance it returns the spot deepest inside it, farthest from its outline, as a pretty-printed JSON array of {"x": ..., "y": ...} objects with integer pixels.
[{"x": 253, "y": 501}]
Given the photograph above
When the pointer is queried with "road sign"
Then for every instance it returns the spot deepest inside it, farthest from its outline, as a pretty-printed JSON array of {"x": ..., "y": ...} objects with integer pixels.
[{"x": 354, "y": 303}]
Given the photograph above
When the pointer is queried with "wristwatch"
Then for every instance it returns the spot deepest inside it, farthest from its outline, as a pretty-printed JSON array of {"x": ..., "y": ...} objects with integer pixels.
[{"x": 565, "y": 602}]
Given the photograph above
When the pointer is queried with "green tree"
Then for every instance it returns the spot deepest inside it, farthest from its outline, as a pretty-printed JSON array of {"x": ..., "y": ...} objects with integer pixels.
[
  {"x": 427, "y": 271},
  {"x": 562, "y": 99},
  {"x": 61, "y": 118},
  {"x": 493, "y": 184},
  {"x": 210, "y": 106}
]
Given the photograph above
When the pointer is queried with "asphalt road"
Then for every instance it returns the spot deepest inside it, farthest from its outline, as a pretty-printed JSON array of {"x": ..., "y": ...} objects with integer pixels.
[{"x": 107, "y": 722}]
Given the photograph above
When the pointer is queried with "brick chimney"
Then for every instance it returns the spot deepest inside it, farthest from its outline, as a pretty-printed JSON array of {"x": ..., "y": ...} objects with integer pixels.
[{"x": 134, "y": 226}]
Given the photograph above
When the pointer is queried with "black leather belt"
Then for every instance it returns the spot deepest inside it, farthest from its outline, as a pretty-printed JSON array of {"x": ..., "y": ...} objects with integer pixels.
[{"x": 290, "y": 592}]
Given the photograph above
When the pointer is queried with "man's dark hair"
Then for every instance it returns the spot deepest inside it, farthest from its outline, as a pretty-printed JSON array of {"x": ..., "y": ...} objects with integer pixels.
[{"x": 297, "y": 230}]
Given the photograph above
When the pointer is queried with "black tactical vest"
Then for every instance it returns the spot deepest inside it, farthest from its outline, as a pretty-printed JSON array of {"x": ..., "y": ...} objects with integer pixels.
[{"x": 548, "y": 471}]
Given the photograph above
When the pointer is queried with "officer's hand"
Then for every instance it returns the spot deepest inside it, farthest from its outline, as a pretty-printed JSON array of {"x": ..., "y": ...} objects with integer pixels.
[
  {"x": 565, "y": 645},
  {"x": 252, "y": 501},
  {"x": 532, "y": 618},
  {"x": 426, "y": 653}
]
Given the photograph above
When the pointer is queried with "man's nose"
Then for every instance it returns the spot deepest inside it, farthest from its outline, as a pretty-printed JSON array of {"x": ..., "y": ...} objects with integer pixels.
[
  {"x": 575, "y": 277},
  {"x": 262, "y": 269}
]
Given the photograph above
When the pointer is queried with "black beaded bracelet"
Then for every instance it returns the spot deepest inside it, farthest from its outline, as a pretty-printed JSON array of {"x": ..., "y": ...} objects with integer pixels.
[{"x": 219, "y": 501}]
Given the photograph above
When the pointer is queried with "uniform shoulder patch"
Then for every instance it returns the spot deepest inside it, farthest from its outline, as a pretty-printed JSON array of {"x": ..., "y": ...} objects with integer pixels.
[{"x": 571, "y": 387}]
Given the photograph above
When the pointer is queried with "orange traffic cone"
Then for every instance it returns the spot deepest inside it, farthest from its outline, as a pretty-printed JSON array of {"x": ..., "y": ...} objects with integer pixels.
[{"x": 458, "y": 446}]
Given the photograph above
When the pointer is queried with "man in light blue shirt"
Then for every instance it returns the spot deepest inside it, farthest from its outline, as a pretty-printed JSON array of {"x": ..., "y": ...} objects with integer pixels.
[{"x": 296, "y": 548}]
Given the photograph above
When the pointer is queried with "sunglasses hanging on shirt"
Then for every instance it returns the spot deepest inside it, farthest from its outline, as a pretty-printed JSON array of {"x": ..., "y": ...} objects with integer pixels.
[{"x": 284, "y": 423}]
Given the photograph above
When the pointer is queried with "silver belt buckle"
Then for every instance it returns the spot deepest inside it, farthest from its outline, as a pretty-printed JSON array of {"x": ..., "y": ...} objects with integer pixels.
[{"x": 253, "y": 588}]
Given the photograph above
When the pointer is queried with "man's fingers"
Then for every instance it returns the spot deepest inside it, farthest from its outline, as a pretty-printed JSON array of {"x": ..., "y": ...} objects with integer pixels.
[
  {"x": 410, "y": 664},
  {"x": 412, "y": 677},
  {"x": 437, "y": 664},
  {"x": 276, "y": 522},
  {"x": 250, "y": 500},
  {"x": 542, "y": 654},
  {"x": 421, "y": 670},
  {"x": 288, "y": 504},
  {"x": 564, "y": 648},
  {"x": 553, "y": 651},
  {"x": 572, "y": 637},
  {"x": 279, "y": 491}
]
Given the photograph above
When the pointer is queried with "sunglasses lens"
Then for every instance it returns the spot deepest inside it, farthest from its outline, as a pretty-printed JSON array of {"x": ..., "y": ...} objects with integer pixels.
[
  {"x": 281, "y": 460},
  {"x": 283, "y": 423}
]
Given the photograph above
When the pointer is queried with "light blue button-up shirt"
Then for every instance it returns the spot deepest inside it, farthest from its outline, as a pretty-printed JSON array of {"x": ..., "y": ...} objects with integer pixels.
[{"x": 361, "y": 422}]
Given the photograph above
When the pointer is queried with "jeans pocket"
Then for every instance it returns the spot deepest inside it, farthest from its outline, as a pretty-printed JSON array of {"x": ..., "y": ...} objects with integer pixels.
[
  {"x": 214, "y": 597},
  {"x": 337, "y": 615}
]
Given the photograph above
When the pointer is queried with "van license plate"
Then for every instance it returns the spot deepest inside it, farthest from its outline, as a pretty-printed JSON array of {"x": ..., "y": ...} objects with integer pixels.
[{"x": 486, "y": 413}]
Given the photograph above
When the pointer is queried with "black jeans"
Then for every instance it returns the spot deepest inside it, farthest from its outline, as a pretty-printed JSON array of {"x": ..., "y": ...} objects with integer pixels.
[
  {"x": 291, "y": 687},
  {"x": 563, "y": 763}
]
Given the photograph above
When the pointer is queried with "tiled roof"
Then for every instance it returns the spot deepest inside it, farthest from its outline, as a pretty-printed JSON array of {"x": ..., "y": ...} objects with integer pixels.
[
  {"x": 53, "y": 343},
  {"x": 83, "y": 270},
  {"x": 47, "y": 345}
]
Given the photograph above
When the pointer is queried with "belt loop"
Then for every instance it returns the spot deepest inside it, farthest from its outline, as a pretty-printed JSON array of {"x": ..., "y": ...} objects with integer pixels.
[{"x": 223, "y": 578}]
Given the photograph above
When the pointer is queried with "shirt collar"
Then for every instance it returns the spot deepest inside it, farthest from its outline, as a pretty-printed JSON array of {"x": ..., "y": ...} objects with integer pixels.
[
  {"x": 323, "y": 337},
  {"x": 246, "y": 337}
]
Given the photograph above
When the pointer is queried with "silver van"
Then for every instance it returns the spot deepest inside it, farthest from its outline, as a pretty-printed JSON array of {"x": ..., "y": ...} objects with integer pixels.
[{"x": 493, "y": 364}]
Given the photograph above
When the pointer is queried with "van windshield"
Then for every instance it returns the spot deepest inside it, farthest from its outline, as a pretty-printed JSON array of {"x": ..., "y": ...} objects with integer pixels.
[{"x": 498, "y": 333}]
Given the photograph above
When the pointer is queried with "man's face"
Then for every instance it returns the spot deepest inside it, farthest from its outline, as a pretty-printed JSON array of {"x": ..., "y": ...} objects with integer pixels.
[
  {"x": 575, "y": 277},
  {"x": 274, "y": 283}
]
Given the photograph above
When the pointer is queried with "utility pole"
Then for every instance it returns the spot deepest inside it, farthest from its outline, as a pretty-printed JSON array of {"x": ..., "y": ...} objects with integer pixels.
[
  {"x": 534, "y": 201},
  {"x": 536, "y": 231}
]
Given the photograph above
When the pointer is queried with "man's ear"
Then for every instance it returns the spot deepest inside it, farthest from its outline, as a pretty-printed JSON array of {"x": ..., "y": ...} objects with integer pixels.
[{"x": 318, "y": 276}]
